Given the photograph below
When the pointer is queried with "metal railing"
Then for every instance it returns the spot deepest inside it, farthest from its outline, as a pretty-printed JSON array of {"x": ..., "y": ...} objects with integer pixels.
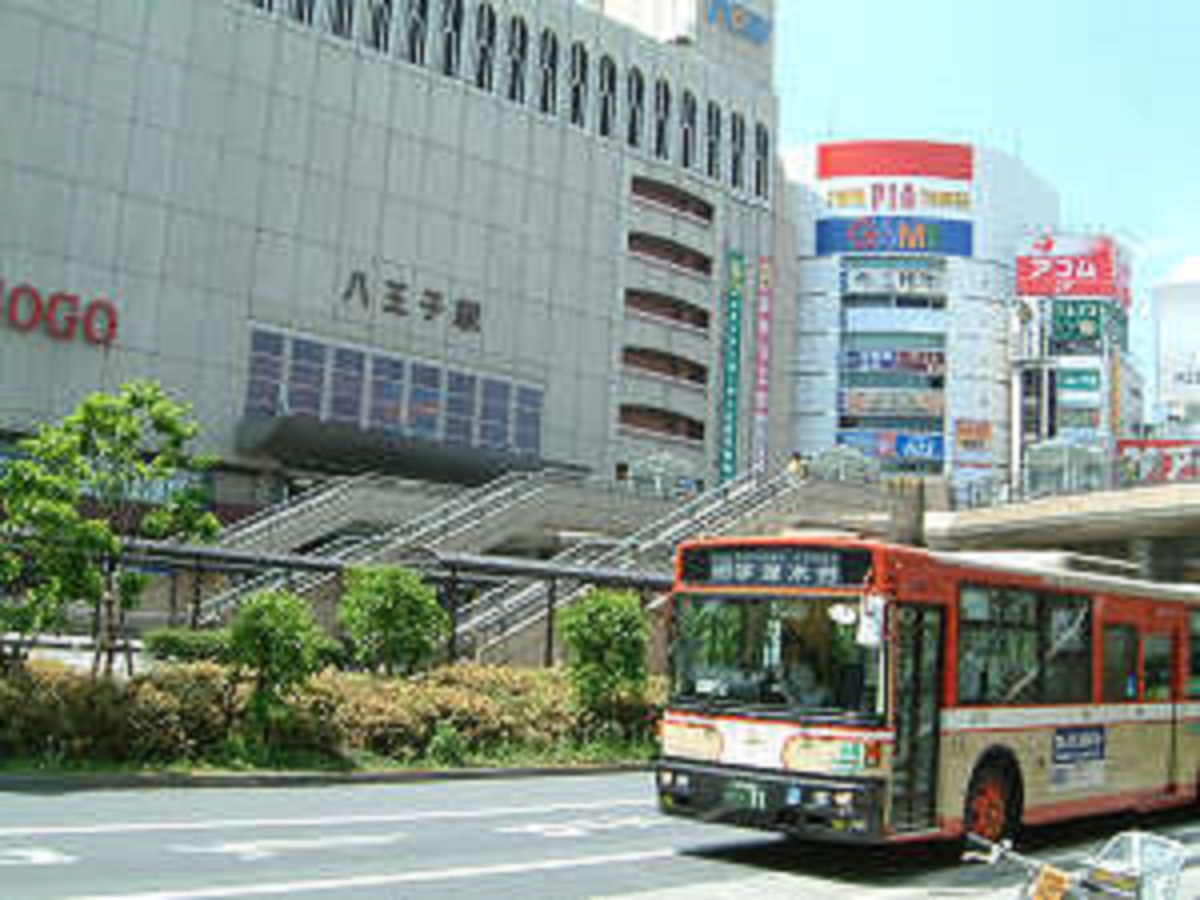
[
  {"x": 456, "y": 516},
  {"x": 274, "y": 517},
  {"x": 516, "y": 604}
]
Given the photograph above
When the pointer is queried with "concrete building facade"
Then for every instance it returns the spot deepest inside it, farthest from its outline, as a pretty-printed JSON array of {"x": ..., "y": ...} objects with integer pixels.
[{"x": 436, "y": 237}]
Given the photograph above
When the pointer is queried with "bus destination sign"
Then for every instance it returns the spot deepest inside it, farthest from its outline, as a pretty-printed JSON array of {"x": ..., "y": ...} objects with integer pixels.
[{"x": 780, "y": 566}]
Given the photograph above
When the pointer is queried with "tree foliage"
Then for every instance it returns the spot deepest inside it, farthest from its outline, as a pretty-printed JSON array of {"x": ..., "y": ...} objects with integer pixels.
[
  {"x": 393, "y": 618},
  {"x": 275, "y": 636},
  {"x": 607, "y": 637},
  {"x": 79, "y": 487}
]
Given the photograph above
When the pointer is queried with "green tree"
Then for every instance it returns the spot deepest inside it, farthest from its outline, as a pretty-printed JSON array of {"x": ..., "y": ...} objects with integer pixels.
[
  {"x": 607, "y": 637},
  {"x": 80, "y": 488},
  {"x": 393, "y": 618},
  {"x": 275, "y": 636}
]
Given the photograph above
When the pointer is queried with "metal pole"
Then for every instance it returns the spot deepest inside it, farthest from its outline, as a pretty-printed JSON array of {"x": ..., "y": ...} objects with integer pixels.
[
  {"x": 195, "y": 617},
  {"x": 174, "y": 617},
  {"x": 551, "y": 599},
  {"x": 452, "y": 602}
]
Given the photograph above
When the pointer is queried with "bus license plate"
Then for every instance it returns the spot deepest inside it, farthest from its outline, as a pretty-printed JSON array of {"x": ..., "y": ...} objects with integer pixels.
[{"x": 745, "y": 795}]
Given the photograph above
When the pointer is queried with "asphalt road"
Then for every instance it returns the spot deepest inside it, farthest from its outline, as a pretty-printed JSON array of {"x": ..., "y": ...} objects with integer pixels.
[{"x": 588, "y": 836}]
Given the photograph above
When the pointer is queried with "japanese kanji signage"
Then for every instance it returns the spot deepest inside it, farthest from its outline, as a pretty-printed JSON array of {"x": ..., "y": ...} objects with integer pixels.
[
  {"x": 399, "y": 298},
  {"x": 731, "y": 365}
]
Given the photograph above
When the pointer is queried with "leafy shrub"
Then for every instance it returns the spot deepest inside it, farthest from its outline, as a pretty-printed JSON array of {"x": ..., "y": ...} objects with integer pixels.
[
  {"x": 607, "y": 636},
  {"x": 393, "y": 618},
  {"x": 186, "y": 645}
]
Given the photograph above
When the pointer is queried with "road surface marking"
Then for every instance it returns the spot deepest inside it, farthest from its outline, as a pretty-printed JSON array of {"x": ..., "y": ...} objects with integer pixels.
[
  {"x": 370, "y": 881},
  {"x": 582, "y": 827},
  {"x": 34, "y": 856},
  {"x": 231, "y": 824},
  {"x": 251, "y": 851}
]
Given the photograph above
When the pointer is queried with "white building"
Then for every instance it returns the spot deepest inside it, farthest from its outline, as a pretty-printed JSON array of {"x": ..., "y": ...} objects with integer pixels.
[
  {"x": 1177, "y": 319},
  {"x": 905, "y": 308}
]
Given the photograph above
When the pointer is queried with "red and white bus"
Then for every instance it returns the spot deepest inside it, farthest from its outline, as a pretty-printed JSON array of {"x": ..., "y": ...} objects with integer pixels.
[{"x": 842, "y": 688}]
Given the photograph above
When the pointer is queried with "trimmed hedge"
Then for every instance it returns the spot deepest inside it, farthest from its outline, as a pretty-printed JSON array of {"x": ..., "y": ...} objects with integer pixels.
[
  {"x": 196, "y": 713},
  {"x": 214, "y": 645}
]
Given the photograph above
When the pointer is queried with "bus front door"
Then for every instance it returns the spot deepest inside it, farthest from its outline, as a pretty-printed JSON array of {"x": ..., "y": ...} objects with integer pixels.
[{"x": 918, "y": 698}]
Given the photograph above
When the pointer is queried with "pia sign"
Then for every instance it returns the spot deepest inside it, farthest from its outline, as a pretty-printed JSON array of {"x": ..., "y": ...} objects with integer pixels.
[
  {"x": 894, "y": 234},
  {"x": 741, "y": 20},
  {"x": 61, "y": 315}
]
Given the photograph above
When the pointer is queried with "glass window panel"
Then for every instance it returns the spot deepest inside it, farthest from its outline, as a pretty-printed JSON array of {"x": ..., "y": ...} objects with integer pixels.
[
  {"x": 1193, "y": 684},
  {"x": 1120, "y": 664},
  {"x": 425, "y": 400},
  {"x": 387, "y": 394},
  {"x": 1157, "y": 662}
]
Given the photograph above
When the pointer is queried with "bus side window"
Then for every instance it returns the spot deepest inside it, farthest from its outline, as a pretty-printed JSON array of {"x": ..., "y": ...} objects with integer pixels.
[
  {"x": 1120, "y": 664},
  {"x": 1156, "y": 651},
  {"x": 1193, "y": 681}
]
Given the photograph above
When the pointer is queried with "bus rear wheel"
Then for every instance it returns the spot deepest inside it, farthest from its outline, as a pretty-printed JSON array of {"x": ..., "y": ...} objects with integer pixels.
[{"x": 993, "y": 805}]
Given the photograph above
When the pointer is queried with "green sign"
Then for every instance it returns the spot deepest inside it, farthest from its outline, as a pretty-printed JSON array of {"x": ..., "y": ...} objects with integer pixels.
[
  {"x": 1078, "y": 380},
  {"x": 731, "y": 366},
  {"x": 1077, "y": 326}
]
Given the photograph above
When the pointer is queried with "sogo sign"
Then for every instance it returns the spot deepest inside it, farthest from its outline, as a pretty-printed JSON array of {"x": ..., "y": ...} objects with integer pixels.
[{"x": 61, "y": 315}]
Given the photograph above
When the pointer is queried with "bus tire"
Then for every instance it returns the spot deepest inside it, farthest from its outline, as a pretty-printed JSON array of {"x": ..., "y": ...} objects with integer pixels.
[{"x": 993, "y": 804}]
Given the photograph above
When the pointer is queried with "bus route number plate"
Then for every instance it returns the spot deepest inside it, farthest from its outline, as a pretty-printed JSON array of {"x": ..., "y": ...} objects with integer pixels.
[{"x": 745, "y": 795}]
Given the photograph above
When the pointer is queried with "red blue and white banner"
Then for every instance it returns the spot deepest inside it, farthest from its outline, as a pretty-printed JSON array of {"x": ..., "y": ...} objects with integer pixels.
[{"x": 894, "y": 234}]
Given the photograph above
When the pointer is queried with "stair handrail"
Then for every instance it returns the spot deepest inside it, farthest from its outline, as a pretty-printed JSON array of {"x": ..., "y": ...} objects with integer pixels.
[{"x": 284, "y": 510}]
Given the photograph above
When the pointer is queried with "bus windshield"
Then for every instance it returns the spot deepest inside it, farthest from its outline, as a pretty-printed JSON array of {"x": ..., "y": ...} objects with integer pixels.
[{"x": 795, "y": 654}]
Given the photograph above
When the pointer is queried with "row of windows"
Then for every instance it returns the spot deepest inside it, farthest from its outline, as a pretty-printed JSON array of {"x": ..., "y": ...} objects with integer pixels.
[
  {"x": 663, "y": 422},
  {"x": 1019, "y": 647},
  {"x": 892, "y": 301},
  {"x": 619, "y": 106},
  {"x": 300, "y": 376},
  {"x": 667, "y": 365},
  {"x": 662, "y": 306}
]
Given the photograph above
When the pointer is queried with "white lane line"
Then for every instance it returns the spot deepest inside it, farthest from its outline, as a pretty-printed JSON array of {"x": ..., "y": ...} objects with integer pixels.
[
  {"x": 577, "y": 828},
  {"x": 251, "y": 851},
  {"x": 324, "y": 821},
  {"x": 34, "y": 856},
  {"x": 370, "y": 881}
]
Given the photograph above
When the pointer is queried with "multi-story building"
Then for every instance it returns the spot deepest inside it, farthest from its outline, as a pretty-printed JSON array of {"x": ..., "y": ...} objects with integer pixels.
[
  {"x": 1177, "y": 320},
  {"x": 906, "y": 311},
  {"x": 435, "y": 237}
]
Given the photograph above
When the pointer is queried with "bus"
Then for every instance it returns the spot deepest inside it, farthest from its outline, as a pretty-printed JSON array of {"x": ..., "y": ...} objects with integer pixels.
[{"x": 835, "y": 687}]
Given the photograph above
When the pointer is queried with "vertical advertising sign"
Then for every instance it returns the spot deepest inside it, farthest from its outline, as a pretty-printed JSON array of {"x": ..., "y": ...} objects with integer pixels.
[
  {"x": 762, "y": 361},
  {"x": 731, "y": 366}
]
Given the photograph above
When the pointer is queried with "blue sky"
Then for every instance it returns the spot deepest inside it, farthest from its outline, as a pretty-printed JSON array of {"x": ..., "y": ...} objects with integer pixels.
[{"x": 1100, "y": 97}]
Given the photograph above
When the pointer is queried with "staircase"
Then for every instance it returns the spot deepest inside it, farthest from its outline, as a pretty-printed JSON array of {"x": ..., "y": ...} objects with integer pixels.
[
  {"x": 461, "y": 521},
  {"x": 517, "y": 606}
]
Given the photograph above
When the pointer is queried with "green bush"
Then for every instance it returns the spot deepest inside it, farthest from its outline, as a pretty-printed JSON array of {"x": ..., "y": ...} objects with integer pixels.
[
  {"x": 393, "y": 619},
  {"x": 186, "y": 645},
  {"x": 607, "y": 637}
]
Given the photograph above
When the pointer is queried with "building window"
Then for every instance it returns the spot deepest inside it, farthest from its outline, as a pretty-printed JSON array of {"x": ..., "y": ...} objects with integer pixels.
[
  {"x": 666, "y": 365},
  {"x": 387, "y": 394},
  {"x": 262, "y": 4},
  {"x": 674, "y": 198},
  {"x": 579, "y": 84},
  {"x": 663, "y": 422},
  {"x": 303, "y": 10},
  {"x": 548, "y": 73},
  {"x": 661, "y": 306},
  {"x": 1193, "y": 681},
  {"x": 1158, "y": 664},
  {"x": 608, "y": 96},
  {"x": 637, "y": 106},
  {"x": 425, "y": 400},
  {"x": 379, "y": 24},
  {"x": 494, "y": 416},
  {"x": 485, "y": 46},
  {"x": 687, "y": 130},
  {"x": 306, "y": 378},
  {"x": 461, "y": 408},
  {"x": 452, "y": 26},
  {"x": 528, "y": 437},
  {"x": 665, "y": 250},
  {"x": 737, "y": 150},
  {"x": 762, "y": 161},
  {"x": 263, "y": 387},
  {"x": 414, "y": 32},
  {"x": 341, "y": 17},
  {"x": 713, "y": 142},
  {"x": 346, "y": 388},
  {"x": 518, "y": 57},
  {"x": 662, "y": 119}
]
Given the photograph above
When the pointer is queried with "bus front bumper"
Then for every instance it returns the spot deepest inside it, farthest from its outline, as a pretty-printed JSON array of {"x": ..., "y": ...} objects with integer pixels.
[{"x": 811, "y": 806}]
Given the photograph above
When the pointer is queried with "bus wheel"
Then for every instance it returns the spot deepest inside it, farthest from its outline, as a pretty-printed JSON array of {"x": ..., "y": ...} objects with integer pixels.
[{"x": 993, "y": 805}]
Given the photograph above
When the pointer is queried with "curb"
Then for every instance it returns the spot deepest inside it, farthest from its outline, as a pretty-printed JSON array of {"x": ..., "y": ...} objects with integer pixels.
[{"x": 65, "y": 782}]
